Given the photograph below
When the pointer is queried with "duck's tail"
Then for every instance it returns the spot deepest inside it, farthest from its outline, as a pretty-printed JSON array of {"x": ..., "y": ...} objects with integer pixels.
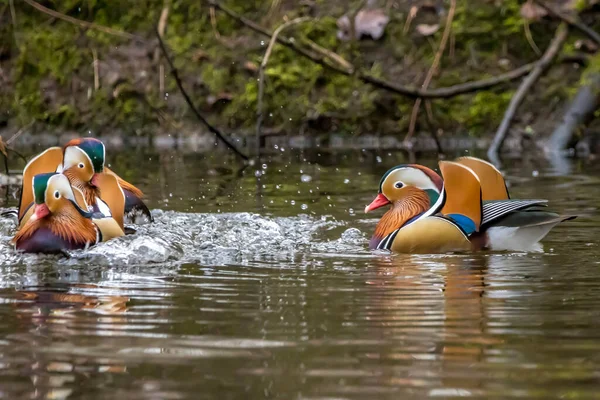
[{"x": 522, "y": 230}]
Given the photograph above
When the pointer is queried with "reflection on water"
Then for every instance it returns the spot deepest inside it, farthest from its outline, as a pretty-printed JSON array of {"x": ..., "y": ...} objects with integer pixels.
[{"x": 258, "y": 284}]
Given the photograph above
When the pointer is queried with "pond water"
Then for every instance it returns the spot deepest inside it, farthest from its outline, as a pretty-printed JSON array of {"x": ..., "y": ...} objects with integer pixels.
[{"x": 257, "y": 283}]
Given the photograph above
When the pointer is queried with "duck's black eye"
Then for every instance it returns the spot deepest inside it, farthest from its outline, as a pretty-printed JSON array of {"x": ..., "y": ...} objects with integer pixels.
[
  {"x": 57, "y": 194},
  {"x": 81, "y": 165},
  {"x": 398, "y": 185}
]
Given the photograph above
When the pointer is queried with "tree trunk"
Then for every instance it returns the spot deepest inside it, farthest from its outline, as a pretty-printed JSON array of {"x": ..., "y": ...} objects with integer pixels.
[{"x": 579, "y": 112}]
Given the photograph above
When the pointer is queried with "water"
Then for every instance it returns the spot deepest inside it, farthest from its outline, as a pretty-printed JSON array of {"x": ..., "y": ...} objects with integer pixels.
[{"x": 258, "y": 284}]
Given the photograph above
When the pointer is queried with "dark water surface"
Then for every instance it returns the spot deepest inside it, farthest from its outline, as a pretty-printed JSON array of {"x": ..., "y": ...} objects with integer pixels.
[{"x": 258, "y": 284}]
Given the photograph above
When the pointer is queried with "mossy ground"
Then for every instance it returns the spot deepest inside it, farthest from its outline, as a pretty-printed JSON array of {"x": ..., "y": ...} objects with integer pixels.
[{"x": 47, "y": 68}]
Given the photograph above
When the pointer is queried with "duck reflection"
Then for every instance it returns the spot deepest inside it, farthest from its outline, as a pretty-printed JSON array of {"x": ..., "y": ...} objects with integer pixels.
[
  {"x": 440, "y": 314},
  {"x": 62, "y": 299},
  {"x": 45, "y": 313}
]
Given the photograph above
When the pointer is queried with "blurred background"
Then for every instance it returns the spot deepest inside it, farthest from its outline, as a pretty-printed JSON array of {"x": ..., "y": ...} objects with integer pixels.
[{"x": 346, "y": 68}]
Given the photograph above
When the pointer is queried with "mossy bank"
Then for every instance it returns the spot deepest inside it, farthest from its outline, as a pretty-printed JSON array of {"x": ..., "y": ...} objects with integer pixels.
[{"x": 65, "y": 76}]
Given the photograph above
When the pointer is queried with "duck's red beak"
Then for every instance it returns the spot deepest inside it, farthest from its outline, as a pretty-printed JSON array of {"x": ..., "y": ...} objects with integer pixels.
[
  {"x": 379, "y": 201},
  {"x": 94, "y": 180},
  {"x": 40, "y": 211}
]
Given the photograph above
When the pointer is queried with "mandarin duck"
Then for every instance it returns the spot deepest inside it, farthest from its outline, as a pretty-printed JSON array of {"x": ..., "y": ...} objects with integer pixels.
[
  {"x": 60, "y": 219},
  {"x": 82, "y": 161},
  {"x": 469, "y": 209}
]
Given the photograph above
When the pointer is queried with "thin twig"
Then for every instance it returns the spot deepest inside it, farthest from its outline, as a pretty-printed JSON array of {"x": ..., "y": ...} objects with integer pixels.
[
  {"x": 162, "y": 26},
  {"x": 572, "y": 20},
  {"x": 261, "y": 76},
  {"x": 85, "y": 24},
  {"x": 96, "y": 70},
  {"x": 557, "y": 42},
  {"x": 13, "y": 15},
  {"x": 412, "y": 13},
  {"x": 213, "y": 22},
  {"x": 365, "y": 77},
  {"x": 211, "y": 128},
  {"x": 530, "y": 40},
  {"x": 328, "y": 53},
  {"x": 433, "y": 69},
  {"x": 18, "y": 133}
]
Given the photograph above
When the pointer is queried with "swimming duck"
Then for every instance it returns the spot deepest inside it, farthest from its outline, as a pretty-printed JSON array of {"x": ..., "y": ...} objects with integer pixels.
[
  {"x": 469, "y": 209},
  {"x": 82, "y": 161},
  {"x": 60, "y": 221}
]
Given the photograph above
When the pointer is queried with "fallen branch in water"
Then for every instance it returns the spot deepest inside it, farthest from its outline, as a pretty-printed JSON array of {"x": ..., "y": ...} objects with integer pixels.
[
  {"x": 557, "y": 42},
  {"x": 580, "y": 111},
  {"x": 365, "y": 77},
  {"x": 189, "y": 102},
  {"x": 261, "y": 76},
  {"x": 572, "y": 20},
  {"x": 432, "y": 70},
  {"x": 84, "y": 24}
]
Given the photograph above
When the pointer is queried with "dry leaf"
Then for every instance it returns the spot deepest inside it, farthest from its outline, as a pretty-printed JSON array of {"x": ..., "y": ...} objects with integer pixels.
[
  {"x": 368, "y": 23},
  {"x": 3, "y": 147},
  {"x": 221, "y": 97},
  {"x": 200, "y": 55},
  {"x": 586, "y": 45},
  {"x": 532, "y": 12},
  {"x": 250, "y": 66},
  {"x": 427, "y": 30}
]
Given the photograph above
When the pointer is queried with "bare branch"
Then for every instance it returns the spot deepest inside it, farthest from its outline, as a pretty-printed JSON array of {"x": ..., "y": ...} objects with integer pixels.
[
  {"x": 84, "y": 24},
  {"x": 557, "y": 42},
  {"x": 261, "y": 76},
  {"x": 433, "y": 69},
  {"x": 572, "y": 20},
  {"x": 188, "y": 100},
  {"x": 365, "y": 77}
]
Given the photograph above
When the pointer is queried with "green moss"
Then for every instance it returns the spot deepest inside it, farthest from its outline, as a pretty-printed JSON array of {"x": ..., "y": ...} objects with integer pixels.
[{"x": 51, "y": 66}]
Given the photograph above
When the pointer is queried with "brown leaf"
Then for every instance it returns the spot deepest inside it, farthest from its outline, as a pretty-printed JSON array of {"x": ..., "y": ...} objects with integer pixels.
[
  {"x": 427, "y": 30},
  {"x": 200, "y": 55},
  {"x": 250, "y": 66},
  {"x": 368, "y": 22},
  {"x": 3, "y": 147},
  {"x": 532, "y": 12},
  {"x": 586, "y": 45},
  {"x": 224, "y": 97}
]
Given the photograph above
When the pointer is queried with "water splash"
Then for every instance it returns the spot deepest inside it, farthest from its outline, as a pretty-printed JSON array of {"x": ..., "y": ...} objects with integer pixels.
[{"x": 177, "y": 238}]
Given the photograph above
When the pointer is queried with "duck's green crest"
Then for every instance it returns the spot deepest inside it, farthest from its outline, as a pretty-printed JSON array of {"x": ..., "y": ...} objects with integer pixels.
[{"x": 40, "y": 183}]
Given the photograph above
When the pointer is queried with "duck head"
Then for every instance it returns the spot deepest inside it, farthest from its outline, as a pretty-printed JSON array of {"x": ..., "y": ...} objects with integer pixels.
[
  {"x": 411, "y": 190},
  {"x": 83, "y": 159},
  {"x": 53, "y": 196},
  {"x": 59, "y": 220}
]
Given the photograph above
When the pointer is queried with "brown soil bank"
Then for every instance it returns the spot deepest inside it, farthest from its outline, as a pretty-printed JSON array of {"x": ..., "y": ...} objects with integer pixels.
[{"x": 96, "y": 66}]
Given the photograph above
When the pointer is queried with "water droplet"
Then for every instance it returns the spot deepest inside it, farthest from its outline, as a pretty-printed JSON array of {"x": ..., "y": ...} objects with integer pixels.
[
  {"x": 304, "y": 206},
  {"x": 258, "y": 173},
  {"x": 292, "y": 202},
  {"x": 170, "y": 194},
  {"x": 535, "y": 173},
  {"x": 306, "y": 178},
  {"x": 262, "y": 42},
  {"x": 378, "y": 159},
  {"x": 346, "y": 181}
]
